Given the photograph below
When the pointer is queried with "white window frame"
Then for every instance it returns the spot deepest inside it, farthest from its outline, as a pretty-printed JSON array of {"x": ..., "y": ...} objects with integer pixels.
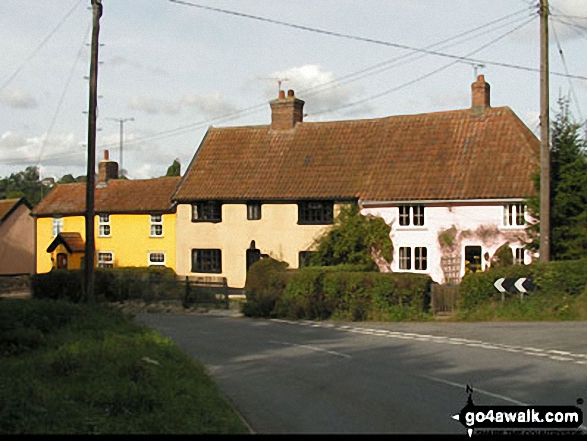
[
  {"x": 412, "y": 216},
  {"x": 103, "y": 224},
  {"x": 105, "y": 263},
  {"x": 151, "y": 263},
  {"x": 420, "y": 258},
  {"x": 405, "y": 258},
  {"x": 519, "y": 255},
  {"x": 514, "y": 213},
  {"x": 57, "y": 226},
  {"x": 414, "y": 259},
  {"x": 154, "y": 224}
]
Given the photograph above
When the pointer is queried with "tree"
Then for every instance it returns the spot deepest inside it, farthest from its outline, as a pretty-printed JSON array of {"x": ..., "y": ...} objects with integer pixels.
[
  {"x": 174, "y": 169},
  {"x": 568, "y": 190},
  {"x": 354, "y": 239},
  {"x": 23, "y": 184}
]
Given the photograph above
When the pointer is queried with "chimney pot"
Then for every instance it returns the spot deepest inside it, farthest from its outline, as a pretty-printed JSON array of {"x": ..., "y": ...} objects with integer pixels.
[
  {"x": 282, "y": 94},
  {"x": 286, "y": 113},
  {"x": 480, "y": 94},
  {"x": 107, "y": 169}
]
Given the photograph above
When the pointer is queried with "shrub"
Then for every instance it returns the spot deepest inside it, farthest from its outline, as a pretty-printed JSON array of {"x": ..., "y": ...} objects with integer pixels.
[
  {"x": 112, "y": 285},
  {"x": 266, "y": 280},
  {"x": 354, "y": 239},
  {"x": 324, "y": 292},
  {"x": 559, "y": 278}
]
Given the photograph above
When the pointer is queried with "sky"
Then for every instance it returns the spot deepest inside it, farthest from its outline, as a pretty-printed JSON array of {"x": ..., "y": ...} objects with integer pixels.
[{"x": 172, "y": 69}]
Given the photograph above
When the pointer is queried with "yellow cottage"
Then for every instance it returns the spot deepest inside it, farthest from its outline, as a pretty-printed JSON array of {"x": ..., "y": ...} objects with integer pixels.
[{"x": 134, "y": 223}]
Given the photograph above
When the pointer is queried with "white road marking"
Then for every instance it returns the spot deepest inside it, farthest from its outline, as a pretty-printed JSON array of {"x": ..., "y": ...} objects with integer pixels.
[
  {"x": 552, "y": 354},
  {"x": 476, "y": 390},
  {"x": 311, "y": 348}
]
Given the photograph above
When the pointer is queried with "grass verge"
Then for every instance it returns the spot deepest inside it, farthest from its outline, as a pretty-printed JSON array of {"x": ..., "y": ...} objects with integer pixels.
[{"x": 75, "y": 369}]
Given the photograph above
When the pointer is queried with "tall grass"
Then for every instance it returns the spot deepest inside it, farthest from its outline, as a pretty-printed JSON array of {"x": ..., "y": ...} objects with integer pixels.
[{"x": 74, "y": 369}]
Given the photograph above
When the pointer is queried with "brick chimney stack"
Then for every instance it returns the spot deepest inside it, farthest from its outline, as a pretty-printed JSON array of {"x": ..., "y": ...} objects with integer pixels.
[
  {"x": 480, "y": 94},
  {"x": 107, "y": 169},
  {"x": 286, "y": 112}
]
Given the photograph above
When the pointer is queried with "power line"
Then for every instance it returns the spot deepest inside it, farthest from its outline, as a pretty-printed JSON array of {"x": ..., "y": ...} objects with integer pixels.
[
  {"x": 63, "y": 93},
  {"x": 365, "y": 39},
  {"x": 38, "y": 48},
  {"x": 420, "y": 78},
  {"x": 560, "y": 51}
]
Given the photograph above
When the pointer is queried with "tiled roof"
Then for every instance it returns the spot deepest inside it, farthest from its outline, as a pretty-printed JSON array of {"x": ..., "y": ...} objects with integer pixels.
[
  {"x": 459, "y": 154},
  {"x": 7, "y": 206},
  {"x": 118, "y": 196},
  {"x": 73, "y": 242}
]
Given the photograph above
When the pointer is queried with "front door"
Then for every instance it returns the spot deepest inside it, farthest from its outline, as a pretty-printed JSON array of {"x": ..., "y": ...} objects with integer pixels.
[
  {"x": 253, "y": 254},
  {"x": 61, "y": 261}
]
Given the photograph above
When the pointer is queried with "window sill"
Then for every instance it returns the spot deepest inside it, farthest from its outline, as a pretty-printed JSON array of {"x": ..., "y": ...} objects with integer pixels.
[
  {"x": 408, "y": 228},
  {"x": 156, "y": 237}
]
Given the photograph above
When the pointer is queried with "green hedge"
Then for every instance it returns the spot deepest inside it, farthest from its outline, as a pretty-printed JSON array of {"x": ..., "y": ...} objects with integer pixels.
[
  {"x": 113, "y": 285},
  {"x": 266, "y": 280},
  {"x": 324, "y": 292},
  {"x": 553, "y": 278}
]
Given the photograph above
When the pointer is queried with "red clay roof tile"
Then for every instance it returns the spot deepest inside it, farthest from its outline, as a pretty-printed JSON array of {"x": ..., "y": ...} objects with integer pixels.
[{"x": 446, "y": 155}]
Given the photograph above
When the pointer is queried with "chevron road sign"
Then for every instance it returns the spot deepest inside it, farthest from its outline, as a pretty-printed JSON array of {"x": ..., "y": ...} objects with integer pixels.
[{"x": 521, "y": 285}]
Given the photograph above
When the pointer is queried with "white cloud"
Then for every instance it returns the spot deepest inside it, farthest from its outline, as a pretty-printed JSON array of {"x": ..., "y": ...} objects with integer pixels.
[
  {"x": 451, "y": 101},
  {"x": 56, "y": 153},
  {"x": 18, "y": 99},
  {"x": 125, "y": 62},
  {"x": 321, "y": 90},
  {"x": 154, "y": 106},
  {"x": 209, "y": 105}
]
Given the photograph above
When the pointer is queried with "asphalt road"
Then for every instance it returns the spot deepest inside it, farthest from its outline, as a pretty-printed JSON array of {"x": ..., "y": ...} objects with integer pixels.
[{"x": 324, "y": 377}]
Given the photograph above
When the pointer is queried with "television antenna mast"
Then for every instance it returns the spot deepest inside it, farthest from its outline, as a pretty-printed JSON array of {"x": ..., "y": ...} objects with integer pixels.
[{"x": 279, "y": 80}]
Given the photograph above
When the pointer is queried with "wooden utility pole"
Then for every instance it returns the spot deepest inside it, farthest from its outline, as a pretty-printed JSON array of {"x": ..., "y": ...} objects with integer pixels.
[
  {"x": 544, "y": 137},
  {"x": 91, "y": 169}
]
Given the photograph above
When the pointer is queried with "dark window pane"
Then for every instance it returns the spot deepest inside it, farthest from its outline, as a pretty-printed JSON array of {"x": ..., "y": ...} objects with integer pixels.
[
  {"x": 206, "y": 261},
  {"x": 315, "y": 212},
  {"x": 254, "y": 210}
]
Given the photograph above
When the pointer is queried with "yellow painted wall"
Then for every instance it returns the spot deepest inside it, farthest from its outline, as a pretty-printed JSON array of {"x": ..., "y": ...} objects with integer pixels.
[
  {"x": 277, "y": 233},
  {"x": 129, "y": 239},
  {"x": 74, "y": 261}
]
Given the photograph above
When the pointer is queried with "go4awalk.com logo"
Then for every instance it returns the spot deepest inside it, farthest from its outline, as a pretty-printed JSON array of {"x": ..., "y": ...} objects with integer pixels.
[{"x": 511, "y": 419}]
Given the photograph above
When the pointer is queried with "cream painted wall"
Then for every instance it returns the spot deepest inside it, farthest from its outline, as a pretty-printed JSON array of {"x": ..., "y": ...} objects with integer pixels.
[
  {"x": 17, "y": 243},
  {"x": 276, "y": 234},
  {"x": 129, "y": 240},
  {"x": 467, "y": 218}
]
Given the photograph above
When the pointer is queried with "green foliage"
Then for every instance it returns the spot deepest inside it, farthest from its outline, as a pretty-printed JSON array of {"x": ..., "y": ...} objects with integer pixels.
[
  {"x": 174, "y": 169},
  {"x": 266, "y": 280},
  {"x": 112, "y": 285},
  {"x": 503, "y": 256},
  {"x": 353, "y": 240},
  {"x": 552, "y": 280},
  {"x": 322, "y": 292},
  {"x": 568, "y": 193},
  {"x": 92, "y": 371},
  {"x": 23, "y": 184},
  {"x": 447, "y": 238}
]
